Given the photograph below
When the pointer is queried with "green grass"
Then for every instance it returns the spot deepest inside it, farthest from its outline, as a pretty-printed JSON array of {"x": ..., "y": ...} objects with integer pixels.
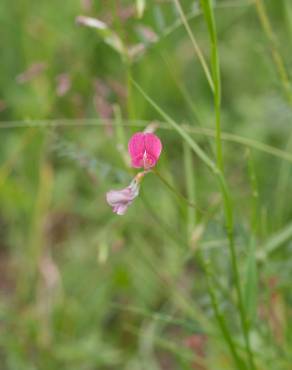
[{"x": 197, "y": 274}]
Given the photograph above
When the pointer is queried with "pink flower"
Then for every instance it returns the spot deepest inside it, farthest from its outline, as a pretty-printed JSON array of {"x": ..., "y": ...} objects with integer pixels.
[
  {"x": 144, "y": 149},
  {"x": 120, "y": 200}
]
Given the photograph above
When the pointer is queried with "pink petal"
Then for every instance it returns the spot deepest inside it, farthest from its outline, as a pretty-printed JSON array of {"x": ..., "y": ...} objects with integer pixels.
[
  {"x": 137, "y": 162},
  {"x": 136, "y": 145},
  {"x": 153, "y": 146},
  {"x": 136, "y": 149},
  {"x": 144, "y": 149},
  {"x": 120, "y": 200}
]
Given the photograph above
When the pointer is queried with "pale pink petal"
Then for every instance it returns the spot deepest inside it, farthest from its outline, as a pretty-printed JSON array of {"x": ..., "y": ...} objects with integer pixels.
[
  {"x": 120, "y": 200},
  {"x": 123, "y": 196},
  {"x": 121, "y": 209},
  {"x": 153, "y": 146}
]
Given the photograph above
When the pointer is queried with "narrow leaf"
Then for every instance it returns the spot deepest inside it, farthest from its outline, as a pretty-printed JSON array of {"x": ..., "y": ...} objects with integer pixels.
[
  {"x": 251, "y": 284},
  {"x": 276, "y": 241},
  {"x": 190, "y": 185},
  {"x": 180, "y": 130}
]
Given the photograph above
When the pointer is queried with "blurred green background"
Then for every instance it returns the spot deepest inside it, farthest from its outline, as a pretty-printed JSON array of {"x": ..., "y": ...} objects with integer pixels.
[{"x": 84, "y": 289}]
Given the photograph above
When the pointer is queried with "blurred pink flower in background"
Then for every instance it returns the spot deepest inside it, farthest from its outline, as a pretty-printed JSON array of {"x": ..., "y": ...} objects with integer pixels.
[
  {"x": 3, "y": 105},
  {"x": 63, "y": 84},
  {"x": 32, "y": 72},
  {"x": 86, "y": 5},
  {"x": 144, "y": 149}
]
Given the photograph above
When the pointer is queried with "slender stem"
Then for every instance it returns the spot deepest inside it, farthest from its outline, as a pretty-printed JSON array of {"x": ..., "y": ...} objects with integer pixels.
[
  {"x": 195, "y": 44},
  {"x": 180, "y": 86},
  {"x": 255, "y": 192},
  {"x": 191, "y": 188},
  {"x": 228, "y": 211},
  {"x": 220, "y": 318},
  {"x": 173, "y": 190},
  {"x": 228, "y": 206},
  {"x": 130, "y": 105},
  {"x": 230, "y": 233},
  {"x": 186, "y": 95},
  {"x": 209, "y": 15},
  {"x": 277, "y": 58}
]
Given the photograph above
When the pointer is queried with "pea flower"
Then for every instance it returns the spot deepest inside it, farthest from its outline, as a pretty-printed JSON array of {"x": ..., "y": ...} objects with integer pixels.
[
  {"x": 120, "y": 200},
  {"x": 144, "y": 149}
]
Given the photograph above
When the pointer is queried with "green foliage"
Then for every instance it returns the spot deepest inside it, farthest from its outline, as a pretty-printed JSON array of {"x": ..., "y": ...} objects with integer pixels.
[{"x": 167, "y": 286}]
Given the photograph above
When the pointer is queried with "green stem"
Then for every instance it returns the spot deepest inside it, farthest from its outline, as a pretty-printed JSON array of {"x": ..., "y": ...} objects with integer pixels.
[
  {"x": 173, "y": 190},
  {"x": 130, "y": 105},
  {"x": 228, "y": 209},
  {"x": 255, "y": 192},
  {"x": 210, "y": 20},
  {"x": 195, "y": 44},
  {"x": 230, "y": 234},
  {"x": 220, "y": 318},
  {"x": 191, "y": 188},
  {"x": 277, "y": 58},
  {"x": 215, "y": 63},
  {"x": 229, "y": 223}
]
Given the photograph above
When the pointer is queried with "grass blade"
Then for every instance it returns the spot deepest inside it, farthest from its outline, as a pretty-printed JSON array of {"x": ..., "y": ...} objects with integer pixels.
[
  {"x": 209, "y": 16},
  {"x": 276, "y": 241},
  {"x": 195, "y": 44},
  {"x": 190, "y": 185},
  {"x": 277, "y": 58},
  {"x": 250, "y": 291},
  {"x": 200, "y": 153}
]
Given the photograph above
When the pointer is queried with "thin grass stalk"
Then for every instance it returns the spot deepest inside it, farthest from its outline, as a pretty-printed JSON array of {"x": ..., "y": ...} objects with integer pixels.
[
  {"x": 220, "y": 178},
  {"x": 41, "y": 206},
  {"x": 219, "y": 317},
  {"x": 127, "y": 64},
  {"x": 210, "y": 20},
  {"x": 8, "y": 165},
  {"x": 215, "y": 63},
  {"x": 277, "y": 58},
  {"x": 120, "y": 134},
  {"x": 283, "y": 185},
  {"x": 255, "y": 192},
  {"x": 195, "y": 45},
  {"x": 191, "y": 186},
  {"x": 179, "y": 195},
  {"x": 130, "y": 104},
  {"x": 185, "y": 94},
  {"x": 197, "y": 13}
]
